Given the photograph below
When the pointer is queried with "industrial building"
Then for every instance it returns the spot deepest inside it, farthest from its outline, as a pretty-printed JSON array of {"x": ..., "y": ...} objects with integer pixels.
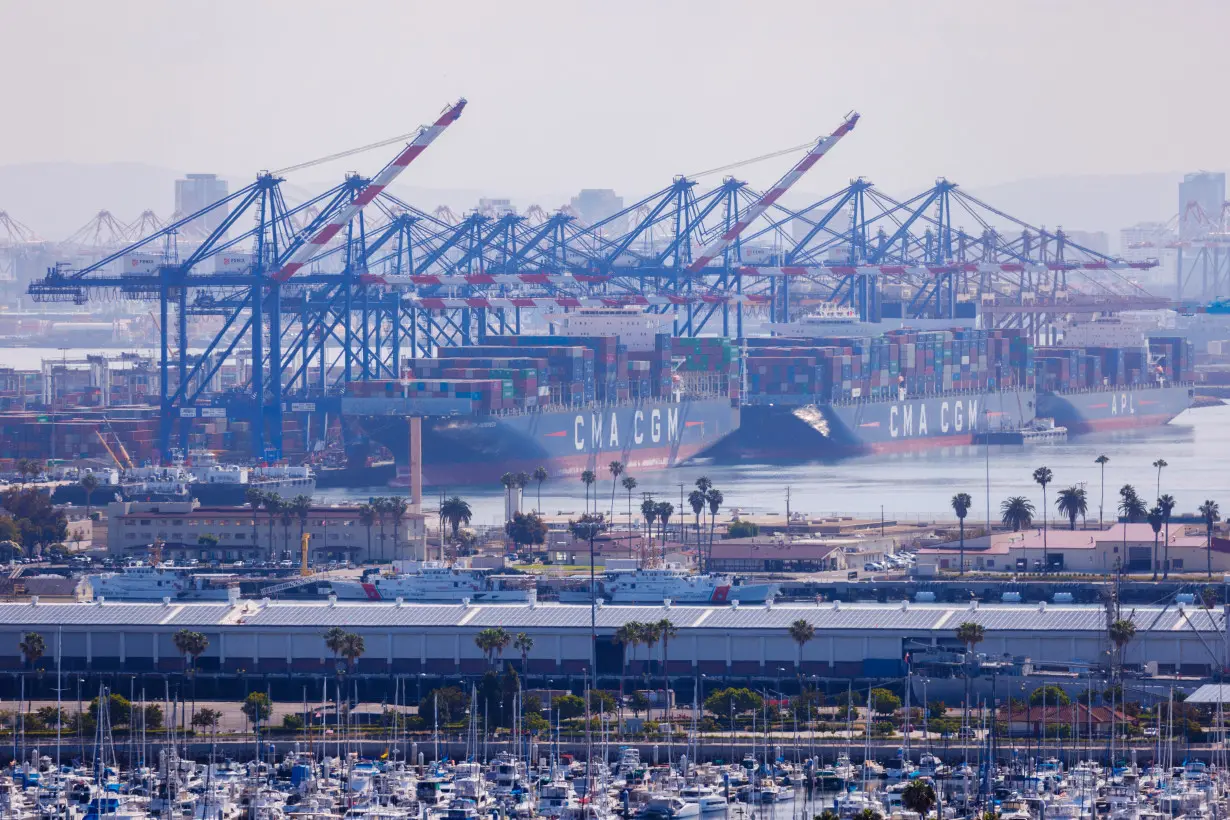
[
  {"x": 188, "y": 530},
  {"x": 717, "y": 642}
]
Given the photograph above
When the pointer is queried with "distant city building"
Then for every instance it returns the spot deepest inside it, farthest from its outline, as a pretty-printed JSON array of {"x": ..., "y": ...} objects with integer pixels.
[
  {"x": 1098, "y": 241},
  {"x": 597, "y": 204},
  {"x": 1151, "y": 240},
  {"x": 198, "y": 191},
  {"x": 495, "y": 207},
  {"x": 1201, "y": 196}
]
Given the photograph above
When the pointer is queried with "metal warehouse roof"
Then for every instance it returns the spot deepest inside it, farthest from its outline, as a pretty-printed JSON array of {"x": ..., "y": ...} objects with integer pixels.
[{"x": 824, "y": 617}]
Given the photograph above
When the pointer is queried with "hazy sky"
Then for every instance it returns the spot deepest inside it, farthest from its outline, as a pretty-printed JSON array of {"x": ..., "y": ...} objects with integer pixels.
[{"x": 622, "y": 94}]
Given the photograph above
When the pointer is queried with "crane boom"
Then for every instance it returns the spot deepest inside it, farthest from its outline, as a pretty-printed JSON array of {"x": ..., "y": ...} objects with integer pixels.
[
  {"x": 369, "y": 192},
  {"x": 715, "y": 248}
]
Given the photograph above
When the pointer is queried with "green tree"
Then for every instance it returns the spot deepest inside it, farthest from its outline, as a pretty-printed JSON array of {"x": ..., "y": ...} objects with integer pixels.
[
  {"x": 1043, "y": 476},
  {"x": 381, "y": 506},
  {"x": 451, "y": 702},
  {"x": 39, "y": 523},
  {"x": 884, "y": 702},
  {"x": 1072, "y": 502},
  {"x": 737, "y": 700},
  {"x": 568, "y": 706},
  {"x": 526, "y": 530},
  {"x": 118, "y": 707},
  {"x": 937, "y": 709},
  {"x": 664, "y": 630},
  {"x": 207, "y": 719},
  {"x": 1017, "y": 512},
  {"x": 627, "y": 635},
  {"x": 257, "y": 708},
  {"x": 32, "y": 647},
  {"x": 1051, "y": 695},
  {"x": 191, "y": 645},
  {"x": 1211, "y": 513},
  {"x": 918, "y": 796},
  {"x": 961, "y": 502},
  {"x": 970, "y": 634},
  {"x": 629, "y": 484},
  {"x": 742, "y": 529},
  {"x": 334, "y": 638},
  {"x": 292, "y": 722}
]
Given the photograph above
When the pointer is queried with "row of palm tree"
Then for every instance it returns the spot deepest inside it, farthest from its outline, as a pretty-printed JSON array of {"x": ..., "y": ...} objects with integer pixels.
[
  {"x": 349, "y": 646},
  {"x": 494, "y": 640},
  {"x": 377, "y": 511},
  {"x": 632, "y": 634},
  {"x": 1018, "y": 513}
]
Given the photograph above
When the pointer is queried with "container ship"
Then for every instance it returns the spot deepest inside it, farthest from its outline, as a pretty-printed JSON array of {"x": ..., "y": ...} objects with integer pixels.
[
  {"x": 567, "y": 403},
  {"x": 905, "y": 390}
]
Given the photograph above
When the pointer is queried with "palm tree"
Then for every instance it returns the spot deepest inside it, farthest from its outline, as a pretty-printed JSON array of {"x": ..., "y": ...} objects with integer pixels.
[
  {"x": 397, "y": 508},
  {"x": 918, "y": 796},
  {"x": 628, "y": 636},
  {"x": 1131, "y": 507},
  {"x": 970, "y": 634},
  {"x": 288, "y": 518},
  {"x": 381, "y": 505},
  {"x": 649, "y": 511},
  {"x": 508, "y": 480},
  {"x": 89, "y": 483},
  {"x": 367, "y": 517},
  {"x": 333, "y": 640},
  {"x": 617, "y": 469},
  {"x": 588, "y": 477},
  {"x": 302, "y": 507},
  {"x": 1159, "y": 464},
  {"x": 1121, "y": 632},
  {"x": 696, "y": 500},
  {"x": 1072, "y": 502},
  {"x": 665, "y": 511},
  {"x": 665, "y": 630},
  {"x": 961, "y": 502},
  {"x": 713, "y": 497},
  {"x": 1101, "y": 461},
  {"x": 540, "y": 475},
  {"x": 492, "y": 641},
  {"x": 191, "y": 645},
  {"x": 629, "y": 484},
  {"x": 1166, "y": 504},
  {"x": 32, "y": 647},
  {"x": 351, "y": 648},
  {"x": 523, "y": 643},
  {"x": 1017, "y": 512},
  {"x": 273, "y": 506},
  {"x": 456, "y": 511},
  {"x": 255, "y": 498},
  {"x": 801, "y": 632},
  {"x": 1155, "y": 523},
  {"x": 649, "y": 637},
  {"x": 1043, "y": 476},
  {"x": 1210, "y": 513}
]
